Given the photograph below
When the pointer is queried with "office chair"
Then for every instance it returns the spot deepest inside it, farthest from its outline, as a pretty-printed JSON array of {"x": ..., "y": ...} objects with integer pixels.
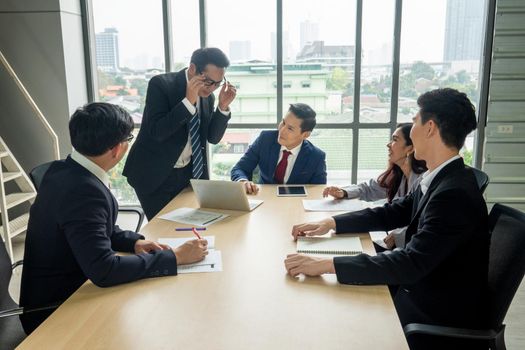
[
  {"x": 482, "y": 178},
  {"x": 37, "y": 175},
  {"x": 506, "y": 270},
  {"x": 11, "y": 331}
]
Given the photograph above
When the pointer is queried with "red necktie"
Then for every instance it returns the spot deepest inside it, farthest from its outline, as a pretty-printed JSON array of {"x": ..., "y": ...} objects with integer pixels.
[{"x": 281, "y": 168}]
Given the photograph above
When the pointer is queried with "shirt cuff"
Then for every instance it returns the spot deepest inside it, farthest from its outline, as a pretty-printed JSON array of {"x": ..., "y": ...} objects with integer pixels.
[
  {"x": 191, "y": 108},
  {"x": 226, "y": 113}
]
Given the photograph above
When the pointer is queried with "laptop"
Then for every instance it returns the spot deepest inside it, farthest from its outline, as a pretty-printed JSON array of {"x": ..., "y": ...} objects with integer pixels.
[{"x": 217, "y": 194}]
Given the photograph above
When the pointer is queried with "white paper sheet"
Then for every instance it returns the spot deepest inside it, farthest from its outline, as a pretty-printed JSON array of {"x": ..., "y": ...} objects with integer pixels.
[
  {"x": 334, "y": 204},
  {"x": 212, "y": 263}
]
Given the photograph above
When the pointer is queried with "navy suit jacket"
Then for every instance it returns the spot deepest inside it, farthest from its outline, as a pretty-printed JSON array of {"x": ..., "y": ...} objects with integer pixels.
[
  {"x": 164, "y": 132},
  {"x": 309, "y": 167},
  {"x": 442, "y": 272},
  {"x": 72, "y": 237}
]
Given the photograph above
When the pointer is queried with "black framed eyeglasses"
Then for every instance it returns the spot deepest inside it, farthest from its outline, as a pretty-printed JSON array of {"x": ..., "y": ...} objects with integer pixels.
[
  {"x": 129, "y": 138},
  {"x": 210, "y": 82}
]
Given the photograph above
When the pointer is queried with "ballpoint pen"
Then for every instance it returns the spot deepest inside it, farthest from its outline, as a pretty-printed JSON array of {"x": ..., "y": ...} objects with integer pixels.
[{"x": 190, "y": 228}]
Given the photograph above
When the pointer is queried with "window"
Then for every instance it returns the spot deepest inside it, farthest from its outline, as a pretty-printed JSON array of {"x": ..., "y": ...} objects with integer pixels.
[
  {"x": 321, "y": 66},
  {"x": 129, "y": 51}
]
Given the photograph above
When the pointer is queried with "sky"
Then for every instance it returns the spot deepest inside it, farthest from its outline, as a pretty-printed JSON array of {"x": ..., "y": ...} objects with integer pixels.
[{"x": 139, "y": 23}]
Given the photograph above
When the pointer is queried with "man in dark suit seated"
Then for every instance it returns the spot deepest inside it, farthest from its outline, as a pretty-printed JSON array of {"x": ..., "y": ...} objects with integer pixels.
[
  {"x": 442, "y": 271},
  {"x": 72, "y": 235},
  {"x": 179, "y": 120},
  {"x": 284, "y": 156}
]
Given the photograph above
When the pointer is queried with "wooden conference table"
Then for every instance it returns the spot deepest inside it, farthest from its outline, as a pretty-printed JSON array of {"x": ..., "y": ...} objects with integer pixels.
[{"x": 251, "y": 304}]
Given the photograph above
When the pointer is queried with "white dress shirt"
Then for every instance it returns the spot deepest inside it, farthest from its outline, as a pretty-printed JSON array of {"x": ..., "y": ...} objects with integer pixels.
[
  {"x": 291, "y": 159},
  {"x": 185, "y": 156},
  {"x": 91, "y": 167},
  {"x": 427, "y": 177}
]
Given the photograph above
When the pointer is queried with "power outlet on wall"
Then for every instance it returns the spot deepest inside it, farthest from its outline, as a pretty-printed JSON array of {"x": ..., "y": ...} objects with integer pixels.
[{"x": 505, "y": 129}]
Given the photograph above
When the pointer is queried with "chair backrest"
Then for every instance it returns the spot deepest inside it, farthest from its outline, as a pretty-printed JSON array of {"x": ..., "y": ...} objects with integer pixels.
[
  {"x": 482, "y": 178},
  {"x": 506, "y": 259},
  {"x": 37, "y": 174},
  {"x": 5, "y": 277}
]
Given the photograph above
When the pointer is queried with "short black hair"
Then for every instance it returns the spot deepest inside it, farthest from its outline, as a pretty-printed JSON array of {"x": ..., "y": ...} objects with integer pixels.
[
  {"x": 97, "y": 127},
  {"x": 305, "y": 113},
  {"x": 453, "y": 113},
  {"x": 209, "y": 55}
]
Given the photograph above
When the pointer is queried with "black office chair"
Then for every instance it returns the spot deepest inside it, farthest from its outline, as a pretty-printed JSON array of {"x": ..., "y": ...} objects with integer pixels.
[
  {"x": 482, "y": 178},
  {"x": 37, "y": 175},
  {"x": 11, "y": 331},
  {"x": 506, "y": 270}
]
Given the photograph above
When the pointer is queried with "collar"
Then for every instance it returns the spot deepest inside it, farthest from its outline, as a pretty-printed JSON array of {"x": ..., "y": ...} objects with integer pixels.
[
  {"x": 91, "y": 167},
  {"x": 427, "y": 177},
  {"x": 295, "y": 151},
  {"x": 186, "y": 75}
]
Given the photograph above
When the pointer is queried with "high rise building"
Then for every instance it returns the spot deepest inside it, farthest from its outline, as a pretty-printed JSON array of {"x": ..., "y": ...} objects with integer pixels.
[
  {"x": 463, "y": 30},
  {"x": 107, "y": 50},
  {"x": 309, "y": 32},
  {"x": 240, "y": 50}
]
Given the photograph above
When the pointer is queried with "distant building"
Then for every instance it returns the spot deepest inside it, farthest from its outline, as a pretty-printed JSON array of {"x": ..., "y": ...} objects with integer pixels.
[
  {"x": 329, "y": 55},
  {"x": 463, "y": 30},
  {"x": 240, "y": 50},
  {"x": 287, "y": 47},
  {"x": 309, "y": 32},
  {"x": 107, "y": 51}
]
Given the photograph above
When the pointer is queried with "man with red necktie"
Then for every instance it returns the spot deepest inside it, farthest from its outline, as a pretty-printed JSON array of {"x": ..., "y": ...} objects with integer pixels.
[{"x": 284, "y": 156}]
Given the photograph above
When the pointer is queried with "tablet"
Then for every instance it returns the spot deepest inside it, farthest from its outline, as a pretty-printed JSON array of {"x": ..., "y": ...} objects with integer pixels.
[{"x": 291, "y": 191}]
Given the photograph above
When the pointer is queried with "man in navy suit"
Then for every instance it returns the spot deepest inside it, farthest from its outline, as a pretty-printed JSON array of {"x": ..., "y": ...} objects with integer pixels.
[
  {"x": 72, "y": 235},
  {"x": 442, "y": 271},
  {"x": 284, "y": 156}
]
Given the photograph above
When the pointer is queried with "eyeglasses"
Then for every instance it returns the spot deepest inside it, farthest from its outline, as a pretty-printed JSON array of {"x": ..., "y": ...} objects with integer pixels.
[
  {"x": 210, "y": 82},
  {"x": 129, "y": 138}
]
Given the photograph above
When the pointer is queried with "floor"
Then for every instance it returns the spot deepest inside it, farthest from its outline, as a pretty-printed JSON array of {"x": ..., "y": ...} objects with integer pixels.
[{"x": 515, "y": 320}]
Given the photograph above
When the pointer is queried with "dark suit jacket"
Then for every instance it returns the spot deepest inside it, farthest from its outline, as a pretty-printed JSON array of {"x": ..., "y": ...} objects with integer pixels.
[
  {"x": 164, "y": 132},
  {"x": 443, "y": 270},
  {"x": 309, "y": 167},
  {"x": 72, "y": 237}
]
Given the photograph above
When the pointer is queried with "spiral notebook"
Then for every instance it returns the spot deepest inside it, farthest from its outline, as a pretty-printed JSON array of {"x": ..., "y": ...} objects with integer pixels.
[{"x": 329, "y": 245}]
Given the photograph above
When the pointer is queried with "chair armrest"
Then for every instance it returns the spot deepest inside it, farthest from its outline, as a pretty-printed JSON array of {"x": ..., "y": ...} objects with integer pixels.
[
  {"x": 136, "y": 210},
  {"x": 16, "y": 264},
  {"x": 22, "y": 310},
  {"x": 421, "y": 328}
]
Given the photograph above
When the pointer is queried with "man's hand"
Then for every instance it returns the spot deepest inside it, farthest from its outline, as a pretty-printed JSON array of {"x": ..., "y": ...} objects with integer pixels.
[
  {"x": 144, "y": 246},
  {"x": 192, "y": 88},
  {"x": 314, "y": 228},
  {"x": 333, "y": 191},
  {"x": 226, "y": 96},
  {"x": 390, "y": 241},
  {"x": 310, "y": 266},
  {"x": 250, "y": 187},
  {"x": 191, "y": 251}
]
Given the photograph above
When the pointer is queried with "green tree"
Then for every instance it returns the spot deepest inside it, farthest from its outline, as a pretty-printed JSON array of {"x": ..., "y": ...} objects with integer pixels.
[
  {"x": 338, "y": 80},
  {"x": 140, "y": 85},
  {"x": 120, "y": 81},
  {"x": 421, "y": 69}
]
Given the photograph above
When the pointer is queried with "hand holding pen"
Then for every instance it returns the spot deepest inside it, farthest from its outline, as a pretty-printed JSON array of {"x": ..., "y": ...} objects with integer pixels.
[{"x": 191, "y": 251}]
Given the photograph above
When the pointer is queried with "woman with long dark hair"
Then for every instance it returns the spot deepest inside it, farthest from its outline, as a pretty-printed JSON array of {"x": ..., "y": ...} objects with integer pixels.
[{"x": 400, "y": 178}]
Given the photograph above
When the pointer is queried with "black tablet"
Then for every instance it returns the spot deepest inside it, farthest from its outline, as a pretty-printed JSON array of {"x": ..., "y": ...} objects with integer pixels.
[{"x": 291, "y": 191}]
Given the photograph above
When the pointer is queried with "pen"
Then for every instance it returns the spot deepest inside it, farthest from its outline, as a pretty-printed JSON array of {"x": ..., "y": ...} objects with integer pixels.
[
  {"x": 190, "y": 228},
  {"x": 196, "y": 233},
  {"x": 207, "y": 222}
]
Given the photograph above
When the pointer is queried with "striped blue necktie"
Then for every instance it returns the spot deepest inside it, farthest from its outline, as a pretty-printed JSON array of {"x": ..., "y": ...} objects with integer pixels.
[{"x": 197, "y": 160}]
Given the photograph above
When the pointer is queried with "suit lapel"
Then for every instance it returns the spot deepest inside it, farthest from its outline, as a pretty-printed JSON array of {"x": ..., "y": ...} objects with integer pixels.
[
  {"x": 422, "y": 200},
  {"x": 274, "y": 157},
  {"x": 300, "y": 162}
]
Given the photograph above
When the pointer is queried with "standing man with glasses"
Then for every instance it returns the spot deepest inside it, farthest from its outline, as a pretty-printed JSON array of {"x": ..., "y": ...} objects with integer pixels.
[{"x": 179, "y": 119}]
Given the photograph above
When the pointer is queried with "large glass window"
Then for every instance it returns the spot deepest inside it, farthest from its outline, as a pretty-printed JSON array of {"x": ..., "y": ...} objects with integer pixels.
[
  {"x": 129, "y": 50},
  {"x": 440, "y": 46},
  {"x": 451, "y": 55},
  {"x": 319, "y": 57}
]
